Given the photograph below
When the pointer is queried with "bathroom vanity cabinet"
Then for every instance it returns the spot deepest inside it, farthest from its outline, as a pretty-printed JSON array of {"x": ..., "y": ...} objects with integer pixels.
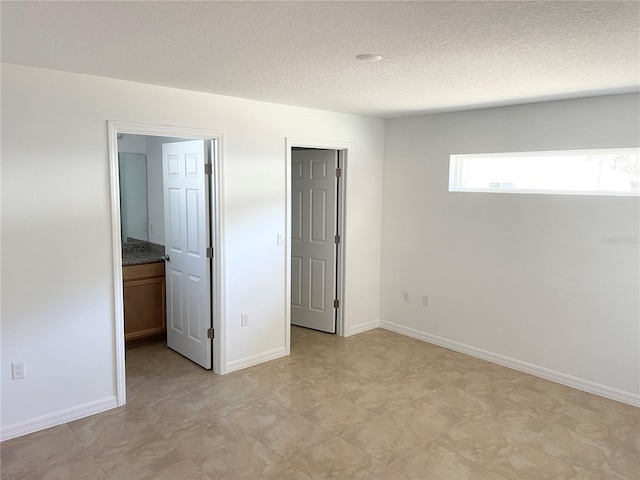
[{"x": 144, "y": 300}]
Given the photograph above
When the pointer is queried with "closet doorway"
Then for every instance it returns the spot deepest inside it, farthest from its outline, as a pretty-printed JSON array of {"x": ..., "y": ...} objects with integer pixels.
[{"x": 316, "y": 187}]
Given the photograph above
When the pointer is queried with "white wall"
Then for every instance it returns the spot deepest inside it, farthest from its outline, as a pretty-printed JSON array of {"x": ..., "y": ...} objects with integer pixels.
[
  {"x": 527, "y": 277},
  {"x": 57, "y": 289}
]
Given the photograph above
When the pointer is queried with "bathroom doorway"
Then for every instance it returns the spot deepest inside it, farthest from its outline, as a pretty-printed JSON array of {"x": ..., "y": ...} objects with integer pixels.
[{"x": 178, "y": 232}]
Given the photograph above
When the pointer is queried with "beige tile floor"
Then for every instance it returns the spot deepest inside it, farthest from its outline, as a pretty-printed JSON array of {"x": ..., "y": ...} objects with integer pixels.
[{"x": 374, "y": 406}]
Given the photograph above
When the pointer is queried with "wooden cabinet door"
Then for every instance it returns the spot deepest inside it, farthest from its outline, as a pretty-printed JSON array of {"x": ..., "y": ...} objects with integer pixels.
[{"x": 144, "y": 301}]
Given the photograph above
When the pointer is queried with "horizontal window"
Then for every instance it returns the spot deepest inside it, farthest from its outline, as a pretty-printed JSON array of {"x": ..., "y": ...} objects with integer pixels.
[{"x": 614, "y": 171}]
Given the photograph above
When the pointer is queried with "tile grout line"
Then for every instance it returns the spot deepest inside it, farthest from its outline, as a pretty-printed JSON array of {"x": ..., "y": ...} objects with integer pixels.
[
  {"x": 168, "y": 440},
  {"x": 310, "y": 358},
  {"x": 84, "y": 447}
]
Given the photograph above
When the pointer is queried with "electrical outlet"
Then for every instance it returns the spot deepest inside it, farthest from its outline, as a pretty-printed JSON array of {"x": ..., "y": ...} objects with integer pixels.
[
  {"x": 244, "y": 319},
  {"x": 150, "y": 228},
  {"x": 17, "y": 370},
  {"x": 407, "y": 296},
  {"x": 280, "y": 239},
  {"x": 425, "y": 299}
]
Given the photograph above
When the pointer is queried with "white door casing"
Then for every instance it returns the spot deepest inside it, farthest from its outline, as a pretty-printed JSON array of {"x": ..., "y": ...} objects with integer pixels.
[
  {"x": 215, "y": 138},
  {"x": 313, "y": 247},
  {"x": 187, "y": 236}
]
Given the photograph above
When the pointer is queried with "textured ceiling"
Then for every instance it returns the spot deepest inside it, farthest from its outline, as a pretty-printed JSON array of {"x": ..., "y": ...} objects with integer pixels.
[{"x": 439, "y": 55}]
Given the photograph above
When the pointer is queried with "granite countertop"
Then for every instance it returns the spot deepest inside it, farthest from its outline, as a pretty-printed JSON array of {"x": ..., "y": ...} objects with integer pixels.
[{"x": 135, "y": 252}]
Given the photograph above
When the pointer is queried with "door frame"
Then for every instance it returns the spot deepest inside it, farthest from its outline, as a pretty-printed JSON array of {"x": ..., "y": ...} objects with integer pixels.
[
  {"x": 216, "y": 225},
  {"x": 343, "y": 149}
]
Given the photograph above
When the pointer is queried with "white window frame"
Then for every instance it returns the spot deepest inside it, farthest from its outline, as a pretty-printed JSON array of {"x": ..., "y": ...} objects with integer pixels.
[{"x": 457, "y": 161}]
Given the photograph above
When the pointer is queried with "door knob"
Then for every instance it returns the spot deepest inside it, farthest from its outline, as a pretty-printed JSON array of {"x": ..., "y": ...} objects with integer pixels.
[{"x": 166, "y": 257}]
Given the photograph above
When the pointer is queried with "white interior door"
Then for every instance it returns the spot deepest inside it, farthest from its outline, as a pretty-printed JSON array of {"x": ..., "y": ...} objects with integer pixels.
[
  {"x": 187, "y": 234},
  {"x": 313, "y": 247}
]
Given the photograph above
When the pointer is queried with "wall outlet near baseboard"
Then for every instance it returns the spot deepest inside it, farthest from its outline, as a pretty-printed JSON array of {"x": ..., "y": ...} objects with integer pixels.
[
  {"x": 17, "y": 370},
  {"x": 244, "y": 319}
]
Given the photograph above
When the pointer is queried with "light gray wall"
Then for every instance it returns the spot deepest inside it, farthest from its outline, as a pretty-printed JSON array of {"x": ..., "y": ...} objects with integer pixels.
[
  {"x": 524, "y": 276},
  {"x": 58, "y": 298}
]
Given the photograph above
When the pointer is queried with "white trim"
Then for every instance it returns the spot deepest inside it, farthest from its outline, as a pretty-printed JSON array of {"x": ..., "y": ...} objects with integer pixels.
[
  {"x": 546, "y": 373},
  {"x": 363, "y": 327},
  {"x": 345, "y": 149},
  {"x": 552, "y": 153},
  {"x": 116, "y": 254},
  {"x": 456, "y": 165},
  {"x": 219, "y": 304},
  {"x": 252, "y": 360},
  {"x": 57, "y": 418},
  {"x": 219, "y": 343},
  {"x": 341, "y": 328}
]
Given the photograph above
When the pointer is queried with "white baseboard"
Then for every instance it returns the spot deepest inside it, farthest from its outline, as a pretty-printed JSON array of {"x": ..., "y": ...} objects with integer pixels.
[
  {"x": 252, "y": 360},
  {"x": 548, "y": 374},
  {"x": 362, "y": 327},
  {"x": 52, "y": 419}
]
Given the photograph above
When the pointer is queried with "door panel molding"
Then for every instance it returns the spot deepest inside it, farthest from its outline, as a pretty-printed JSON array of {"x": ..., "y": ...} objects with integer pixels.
[
  {"x": 317, "y": 246},
  {"x": 215, "y": 139},
  {"x": 318, "y": 208},
  {"x": 292, "y": 171},
  {"x": 317, "y": 276},
  {"x": 194, "y": 218},
  {"x": 296, "y": 282}
]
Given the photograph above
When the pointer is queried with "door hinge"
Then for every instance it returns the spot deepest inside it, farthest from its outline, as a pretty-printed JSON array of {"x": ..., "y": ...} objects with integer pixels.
[
  {"x": 337, "y": 238},
  {"x": 207, "y": 169},
  {"x": 209, "y": 252},
  {"x": 336, "y": 304},
  {"x": 210, "y": 333},
  {"x": 338, "y": 172}
]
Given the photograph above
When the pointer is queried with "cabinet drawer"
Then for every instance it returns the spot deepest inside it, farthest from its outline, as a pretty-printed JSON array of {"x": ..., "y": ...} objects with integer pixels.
[{"x": 145, "y": 270}]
